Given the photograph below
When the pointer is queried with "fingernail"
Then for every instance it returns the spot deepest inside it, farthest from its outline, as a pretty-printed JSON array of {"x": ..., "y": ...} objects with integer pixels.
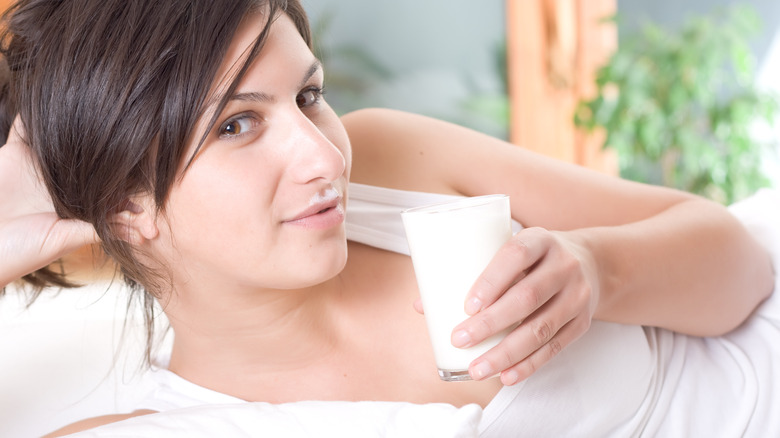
[
  {"x": 481, "y": 370},
  {"x": 473, "y": 306},
  {"x": 509, "y": 378},
  {"x": 461, "y": 338}
]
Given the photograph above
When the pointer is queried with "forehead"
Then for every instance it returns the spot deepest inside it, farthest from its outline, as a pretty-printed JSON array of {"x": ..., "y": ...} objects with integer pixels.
[
  {"x": 283, "y": 54},
  {"x": 283, "y": 41}
]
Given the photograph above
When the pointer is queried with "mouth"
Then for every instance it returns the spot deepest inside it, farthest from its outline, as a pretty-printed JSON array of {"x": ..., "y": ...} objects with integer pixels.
[{"x": 325, "y": 211}]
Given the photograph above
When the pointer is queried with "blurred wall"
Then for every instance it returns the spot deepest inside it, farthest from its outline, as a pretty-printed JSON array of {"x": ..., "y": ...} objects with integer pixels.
[
  {"x": 555, "y": 50},
  {"x": 439, "y": 56}
]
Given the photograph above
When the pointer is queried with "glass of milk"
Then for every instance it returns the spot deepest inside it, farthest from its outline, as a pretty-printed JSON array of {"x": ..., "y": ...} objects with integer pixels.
[{"x": 451, "y": 244}]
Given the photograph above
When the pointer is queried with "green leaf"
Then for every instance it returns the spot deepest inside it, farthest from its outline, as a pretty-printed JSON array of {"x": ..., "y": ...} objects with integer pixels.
[{"x": 687, "y": 105}]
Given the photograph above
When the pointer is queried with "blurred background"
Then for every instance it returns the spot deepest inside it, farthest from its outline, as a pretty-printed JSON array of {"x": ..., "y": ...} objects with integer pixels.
[
  {"x": 682, "y": 94},
  {"x": 667, "y": 92},
  {"x": 444, "y": 58}
]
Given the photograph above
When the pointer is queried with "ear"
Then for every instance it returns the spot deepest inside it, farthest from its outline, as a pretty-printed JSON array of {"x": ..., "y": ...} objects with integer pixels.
[{"x": 135, "y": 221}]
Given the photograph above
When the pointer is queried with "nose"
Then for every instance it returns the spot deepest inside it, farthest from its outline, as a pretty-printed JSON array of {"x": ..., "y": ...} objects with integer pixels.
[{"x": 312, "y": 155}]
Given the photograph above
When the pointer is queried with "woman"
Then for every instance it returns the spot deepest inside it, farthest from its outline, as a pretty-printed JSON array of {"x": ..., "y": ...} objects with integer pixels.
[{"x": 192, "y": 141}]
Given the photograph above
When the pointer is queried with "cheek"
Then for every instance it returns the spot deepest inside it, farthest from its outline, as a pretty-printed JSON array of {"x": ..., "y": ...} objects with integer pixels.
[
  {"x": 207, "y": 203},
  {"x": 219, "y": 212}
]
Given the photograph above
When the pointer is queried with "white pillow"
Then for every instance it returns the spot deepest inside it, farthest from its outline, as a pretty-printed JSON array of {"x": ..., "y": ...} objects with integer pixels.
[
  {"x": 66, "y": 358},
  {"x": 319, "y": 419},
  {"x": 62, "y": 360}
]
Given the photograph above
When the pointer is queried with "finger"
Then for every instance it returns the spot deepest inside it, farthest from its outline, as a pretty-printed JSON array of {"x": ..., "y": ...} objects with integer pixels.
[
  {"x": 521, "y": 300},
  {"x": 68, "y": 235},
  {"x": 85, "y": 231},
  {"x": 16, "y": 133},
  {"x": 509, "y": 264},
  {"x": 24, "y": 191},
  {"x": 541, "y": 330},
  {"x": 528, "y": 366},
  {"x": 37, "y": 240},
  {"x": 418, "y": 306}
]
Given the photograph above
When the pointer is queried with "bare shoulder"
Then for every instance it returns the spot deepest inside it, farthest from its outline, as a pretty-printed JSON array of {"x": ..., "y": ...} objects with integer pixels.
[
  {"x": 396, "y": 149},
  {"x": 408, "y": 151},
  {"x": 411, "y": 152},
  {"x": 91, "y": 423}
]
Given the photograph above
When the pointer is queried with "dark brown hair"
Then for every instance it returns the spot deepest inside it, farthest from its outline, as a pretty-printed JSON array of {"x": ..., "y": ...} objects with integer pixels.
[{"x": 109, "y": 92}]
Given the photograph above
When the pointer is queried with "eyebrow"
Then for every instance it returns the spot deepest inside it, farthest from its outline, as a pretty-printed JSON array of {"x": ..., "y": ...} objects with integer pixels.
[
  {"x": 262, "y": 97},
  {"x": 253, "y": 96}
]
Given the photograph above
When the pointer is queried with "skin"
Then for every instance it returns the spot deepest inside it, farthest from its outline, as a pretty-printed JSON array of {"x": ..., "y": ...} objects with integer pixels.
[
  {"x": 284, "y": 315},
  {"x": 288, "y": 290}
]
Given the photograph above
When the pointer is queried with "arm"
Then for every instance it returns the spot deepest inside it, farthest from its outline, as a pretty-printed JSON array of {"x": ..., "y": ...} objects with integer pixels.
[
  {"x": 92, "y": 423},
  {"x": 629, "y": 252},
  {"x": 31, "y": 234},
  {"x": 661, "y": 257}
]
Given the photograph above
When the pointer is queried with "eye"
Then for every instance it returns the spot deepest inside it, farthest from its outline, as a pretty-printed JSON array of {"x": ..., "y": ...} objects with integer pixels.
[
  {"x": 309, "y": 97},
  {"x": 237, "y": 125}
]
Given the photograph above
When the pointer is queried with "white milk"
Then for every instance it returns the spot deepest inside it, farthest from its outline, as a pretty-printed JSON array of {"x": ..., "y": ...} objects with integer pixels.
[{"x": 451, "y": 244}]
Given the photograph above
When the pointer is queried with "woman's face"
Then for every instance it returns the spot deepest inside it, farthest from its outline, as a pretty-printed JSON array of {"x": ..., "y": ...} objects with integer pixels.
[{"x": 262, "y": 203}]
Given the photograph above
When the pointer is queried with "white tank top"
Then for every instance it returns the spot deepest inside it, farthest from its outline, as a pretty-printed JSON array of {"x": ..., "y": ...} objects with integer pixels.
[{"x": 615, "y": 381}]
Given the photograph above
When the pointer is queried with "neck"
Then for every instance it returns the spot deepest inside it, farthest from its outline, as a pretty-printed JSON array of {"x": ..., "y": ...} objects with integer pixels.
[{"x": 261, "y": 333}]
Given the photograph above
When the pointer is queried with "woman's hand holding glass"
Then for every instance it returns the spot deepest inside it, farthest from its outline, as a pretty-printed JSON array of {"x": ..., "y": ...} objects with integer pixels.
[
  {"x": 545, "y": 283},
  {"x": 31, "y": 233}
]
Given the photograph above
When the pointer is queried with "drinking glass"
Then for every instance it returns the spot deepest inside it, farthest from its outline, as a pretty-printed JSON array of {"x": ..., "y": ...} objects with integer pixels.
[{"x": 451, "y": 244}]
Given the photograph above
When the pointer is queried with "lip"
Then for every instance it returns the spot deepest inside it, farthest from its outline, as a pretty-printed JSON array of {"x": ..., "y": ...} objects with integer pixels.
[{"x": 320, "y": 215}]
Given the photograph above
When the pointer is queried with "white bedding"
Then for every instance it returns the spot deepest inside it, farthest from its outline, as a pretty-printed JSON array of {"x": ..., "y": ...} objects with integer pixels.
[
  {"x": 57, "y": 356},
  {"x": 65, "y": 359},
  {"x": 302, "y": 420}
]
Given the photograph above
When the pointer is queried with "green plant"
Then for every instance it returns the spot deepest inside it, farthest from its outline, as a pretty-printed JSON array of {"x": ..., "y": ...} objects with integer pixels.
[{"x": 681, "y": 108}]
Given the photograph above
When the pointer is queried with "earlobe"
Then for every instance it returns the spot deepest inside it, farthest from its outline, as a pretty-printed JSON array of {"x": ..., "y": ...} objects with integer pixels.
[{"x": 135, "y": 221}]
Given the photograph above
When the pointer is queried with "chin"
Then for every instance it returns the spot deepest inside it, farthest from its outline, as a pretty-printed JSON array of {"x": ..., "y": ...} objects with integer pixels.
[
  {"x": 323, "y": 265},
  {"x": 333, "y": 265}
]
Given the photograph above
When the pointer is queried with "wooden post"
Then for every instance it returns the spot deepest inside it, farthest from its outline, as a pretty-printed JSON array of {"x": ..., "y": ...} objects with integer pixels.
[{"x": 554, "y": 48}]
